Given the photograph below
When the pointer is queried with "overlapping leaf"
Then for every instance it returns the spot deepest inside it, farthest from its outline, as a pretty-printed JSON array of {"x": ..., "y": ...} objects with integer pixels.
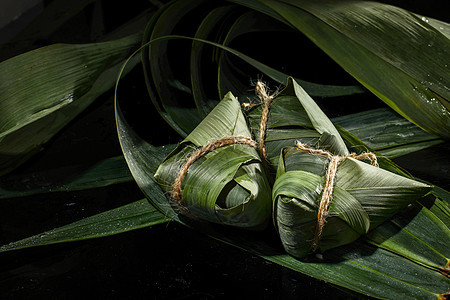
[
  {"x": 399, "y": 261},
  {"x": 176, "y": 95},
  {"x": 397, "y": 55},
  {"x": 384, "y": 131},
  {"x": 228, "y": 185},
  {"x": 361, "y": 267},
  {"x": 42, "y": 90},
  {"x": 295, "y": 116},
  {"x": 363, "y": 197}
]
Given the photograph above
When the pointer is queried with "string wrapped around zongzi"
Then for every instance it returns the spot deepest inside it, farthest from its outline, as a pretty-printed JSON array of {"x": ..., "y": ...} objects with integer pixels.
[
  {"x": 362, "y": 197},
  {"x": 324, "y": 196},
  {"x": 216, "y": 174},
  {"x": 294, "y": 116}
]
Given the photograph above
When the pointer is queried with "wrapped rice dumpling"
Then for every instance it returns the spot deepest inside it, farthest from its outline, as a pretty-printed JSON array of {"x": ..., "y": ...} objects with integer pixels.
[
  {"x": 363, "y": 196},
  {"x": 227, "y": 185},
  {"x": 312, "y": 212}
]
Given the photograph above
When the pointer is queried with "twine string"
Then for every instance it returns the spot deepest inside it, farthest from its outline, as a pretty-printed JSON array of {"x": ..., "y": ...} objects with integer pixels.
[
  {"x": 200, "y": 152},
  {"x": 330, "y": 177},
  {"x": 262, "y": 92}
]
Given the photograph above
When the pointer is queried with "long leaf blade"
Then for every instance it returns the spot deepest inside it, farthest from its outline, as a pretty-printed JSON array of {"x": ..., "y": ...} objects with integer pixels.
[
  {"x": 109, "y": 171},
  {"x": 42, "y": 90},
  {"x": 132, "y": 216},
  {"x": 404, "y": 84}
]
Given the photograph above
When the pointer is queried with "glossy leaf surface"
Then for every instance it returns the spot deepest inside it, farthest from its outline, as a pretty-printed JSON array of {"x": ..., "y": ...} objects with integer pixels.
[
  {"x": 397, "y": 55},
  {"x": 42, "y": 90}
]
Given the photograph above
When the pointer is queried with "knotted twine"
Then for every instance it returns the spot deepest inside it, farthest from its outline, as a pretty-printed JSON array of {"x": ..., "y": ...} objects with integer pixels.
[
  {"x": 261, "y": 90},
  {"x": 330, "y": 176}
]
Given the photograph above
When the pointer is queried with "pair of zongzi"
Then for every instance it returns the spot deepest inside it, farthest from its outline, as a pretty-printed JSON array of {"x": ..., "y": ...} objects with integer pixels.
[{"x": 321, "y": 197}]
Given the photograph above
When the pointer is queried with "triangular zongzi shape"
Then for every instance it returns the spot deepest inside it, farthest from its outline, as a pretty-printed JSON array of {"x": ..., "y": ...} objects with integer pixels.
[
  {"x": 363, "y": 197},
  {"x": 228, "y": 185}
]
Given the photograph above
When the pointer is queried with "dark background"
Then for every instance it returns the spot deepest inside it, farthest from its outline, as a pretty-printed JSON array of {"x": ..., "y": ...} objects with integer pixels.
[{"x": 167, "y": 261}]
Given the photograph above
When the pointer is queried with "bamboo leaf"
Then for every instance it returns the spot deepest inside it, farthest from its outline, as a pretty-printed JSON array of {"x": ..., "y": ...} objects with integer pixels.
[
  {"x": 385, "y": 131},
  {"x": 197, "y": 63},
  {"x": 170, "y": 95},
  {"x": 295, "y": 116},
  {"x": 171, "y": 92},
  {"x": 109, "y": 171},
  {"x": 387, "y": 40},
  {"x": 225, "y": 120},
  {"x": 389, "y": 137},
  {"x": 352, "y": 266},
  {"x": 252, "y": 22},
  {"x": 362, "y": 194},
  {"x": 132, "y": 216},
  {"x": 226, "y": 186},
  {"x": 408, "y": 234},
  {"x": 371, "y": 271},
  {"x": 439, "y": 206},
  {"x": 42, "y": 90},
  {"x": 143, "y": 160}
]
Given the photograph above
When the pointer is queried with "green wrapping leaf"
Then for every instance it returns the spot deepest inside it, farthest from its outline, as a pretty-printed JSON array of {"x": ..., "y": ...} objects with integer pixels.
[
  {"x": 363, "y": 197},
  {"x": 372, "y": 271},
  {"x": 42, "y": 90},
  {"x": 397, "y": 55},
  {"x": 295, "y": 116},
  {"x": 227, "y": 186}
]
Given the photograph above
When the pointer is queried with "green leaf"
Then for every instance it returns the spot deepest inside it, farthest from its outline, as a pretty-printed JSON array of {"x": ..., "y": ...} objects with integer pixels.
[
  {"x": 198, "y": 64},
  {"x": 439, "y": 206},
  {"x": 225, "y": 120},
  {"x": 42, "y": 90},
  {"x": 109, "y": 171},
  {"x": 294, "y": 116},
  {"x": 362, "y": 194},
  {"x": 143, "y": 160},
  {"x": 179, "y": 99},
  {"x": 132, "y": 216},
  {"x": 167, "y": 87},
  {"x": 371, "y": 271},
  {"x": 252, "y": 22},
  {"x": 385, "y": 131},
  {"x": 228, "y": 185},
  {"x": 396, "y": 55},
  {"x": 417, "y": 234}
]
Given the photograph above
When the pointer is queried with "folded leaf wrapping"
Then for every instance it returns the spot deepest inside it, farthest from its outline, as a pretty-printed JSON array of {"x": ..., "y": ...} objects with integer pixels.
[
  {"x": 363, "y": 197},
  {"x": 294, "y": 116},
  {"x": 228, "y": 185}
]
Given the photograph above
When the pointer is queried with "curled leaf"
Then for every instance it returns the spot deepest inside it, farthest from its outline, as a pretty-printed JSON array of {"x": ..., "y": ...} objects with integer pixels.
[{"x": 228, "y": 185}]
